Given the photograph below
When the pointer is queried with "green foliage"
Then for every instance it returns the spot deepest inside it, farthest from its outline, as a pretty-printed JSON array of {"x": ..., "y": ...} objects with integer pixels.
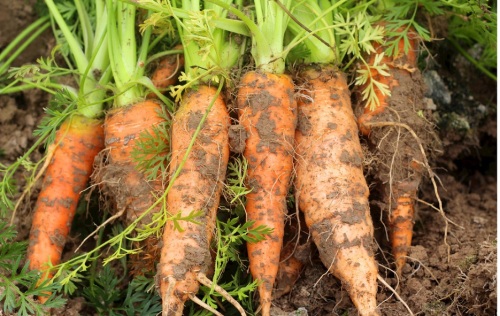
[
  {"x": 107, "y": 294},
  {"x": 235, "y": 188},
  {"x": 474, "y": 24},
  {"x": 151, "y": 151},
  {"x": 17, "y": 283}
]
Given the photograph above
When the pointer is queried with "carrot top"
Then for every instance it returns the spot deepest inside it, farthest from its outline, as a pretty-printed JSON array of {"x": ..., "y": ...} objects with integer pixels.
[
  {"x": 209, "y": 51},
  {"x": 267, "y": 32},
  {"x": 90, "y": 55}
]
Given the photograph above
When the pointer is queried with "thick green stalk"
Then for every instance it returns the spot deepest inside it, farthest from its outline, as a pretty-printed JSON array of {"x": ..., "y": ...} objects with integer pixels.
[
  {"x": 80, "y": 58},
  {"x": 126, "y": 65}
]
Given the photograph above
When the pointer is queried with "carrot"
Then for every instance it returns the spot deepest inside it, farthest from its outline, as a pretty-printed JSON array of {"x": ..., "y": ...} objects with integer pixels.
[
  {"x": 77, "y": 142},
  {"x": 186, "y": 249},
  {"x": 122, "y": 181},
  {"x": 197, "y": 171},
  {"x": 401, "y": 161},
  {"x": 332, "y": 190},
  {"x": 294, "y": 256},
  {"x": 267, "y": 111},
  {"x": 167, "y": 70}
]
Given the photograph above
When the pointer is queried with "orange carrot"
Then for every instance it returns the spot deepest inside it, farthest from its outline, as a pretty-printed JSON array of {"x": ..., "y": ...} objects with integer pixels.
[
  {"x": 121, "y": 180},
  {"x": 77, "y": 142},
  {"x": 401, "y": 228},
  {"x": 185, "y": 254},
  {"x": 401, "y": 159},
  {"x": 331, "y": 188},
  {"x": 166, "y": 72},
  {"x": 267, "y": 111}
]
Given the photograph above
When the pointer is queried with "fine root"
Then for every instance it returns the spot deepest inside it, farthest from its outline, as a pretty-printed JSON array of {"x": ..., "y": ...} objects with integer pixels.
[
  {"x": 202, "y": 278},
  {"x": 429, "y": 170},
  {"x": 381, "y": 280}
]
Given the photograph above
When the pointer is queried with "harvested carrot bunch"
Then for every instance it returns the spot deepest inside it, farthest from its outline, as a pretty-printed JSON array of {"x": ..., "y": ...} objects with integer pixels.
[{"x": 399, "y": 134}]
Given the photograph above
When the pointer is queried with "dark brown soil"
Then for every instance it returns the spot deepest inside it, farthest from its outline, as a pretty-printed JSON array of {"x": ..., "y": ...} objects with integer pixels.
[{"x": 434, "y": 282}]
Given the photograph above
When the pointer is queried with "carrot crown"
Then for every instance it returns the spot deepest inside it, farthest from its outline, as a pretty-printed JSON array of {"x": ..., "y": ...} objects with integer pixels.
[
  {"x": 267, "y": 32},
  {"x": 127, "y": 64},
  {"x": 209, "y": 50}
]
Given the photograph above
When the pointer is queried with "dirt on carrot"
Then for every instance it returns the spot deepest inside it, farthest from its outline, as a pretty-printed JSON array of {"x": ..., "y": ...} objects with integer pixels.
[
  {"x": 197, "y": 188},
  {"x": 331, "y": 188},
  {"x": 267, "y": 111},
  {"x": 126, "y": 188},
  {"x": 399, "y": 133}
]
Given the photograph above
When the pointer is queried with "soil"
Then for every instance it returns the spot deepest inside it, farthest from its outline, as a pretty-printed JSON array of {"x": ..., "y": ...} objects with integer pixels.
[{"x": 446, "y": 274}]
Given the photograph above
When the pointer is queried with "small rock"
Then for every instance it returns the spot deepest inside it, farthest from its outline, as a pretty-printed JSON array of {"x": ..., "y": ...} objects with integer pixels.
[{"x": 437, "y": 90}]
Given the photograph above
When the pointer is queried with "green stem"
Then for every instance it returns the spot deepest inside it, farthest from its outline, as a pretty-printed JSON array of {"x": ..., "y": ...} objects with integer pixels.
[
  {"x": 38, "y": 27},
  {"x": 76, "y": 50},
  {"x": 6, "y": 64},
  {"x": 88, "y": 36},
  {"x": 471, "y": 59},
  {"x": 122, "y": 49}
]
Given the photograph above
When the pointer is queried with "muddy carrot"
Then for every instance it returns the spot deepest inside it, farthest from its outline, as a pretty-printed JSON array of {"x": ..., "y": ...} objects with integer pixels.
[
  {"x": 167, "y": 70},
  {"x": 77, "y": 142},
  {"x": 332, "y": 190},
  {"x": 130, "y": 189},
  {"x": 186, "y": 249},
  {"x": 330, "y": 185},
  {"x": 293, "y": 258},
  {"x": 200, "y": 154},
  {"x": 267, "y": 111},
  {"x": 401, "y": 160}
]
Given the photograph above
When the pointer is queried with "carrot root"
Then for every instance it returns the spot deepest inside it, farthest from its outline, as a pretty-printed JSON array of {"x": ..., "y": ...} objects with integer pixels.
[
  {"x": 332, "y": 190},
  {"x": 121, "y": 181},
  {"x": 391, "y": 129},
  {"x": 77, "y": 142},
  {"x": 197, "y": 188},
  {"x": 267, "y": 111}
]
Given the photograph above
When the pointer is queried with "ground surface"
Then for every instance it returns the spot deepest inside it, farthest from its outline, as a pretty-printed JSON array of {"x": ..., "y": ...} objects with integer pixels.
[{"x": 434, "y": 282}]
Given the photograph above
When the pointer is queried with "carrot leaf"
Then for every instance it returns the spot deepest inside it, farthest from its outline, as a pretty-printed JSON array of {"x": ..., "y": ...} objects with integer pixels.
[{"x": 18, "y": 285}]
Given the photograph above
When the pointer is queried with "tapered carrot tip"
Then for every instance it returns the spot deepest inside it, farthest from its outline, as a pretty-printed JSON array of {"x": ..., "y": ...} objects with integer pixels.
[{"x": 401, "y": 230}]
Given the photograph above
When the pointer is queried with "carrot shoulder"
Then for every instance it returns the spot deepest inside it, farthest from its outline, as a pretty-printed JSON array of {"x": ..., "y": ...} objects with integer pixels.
[
  {"x": 197, "y": 188},
  {"x": 77, "y": 142},
  {"x": 267, "y": 111},
  {"x": 331, "y": 188}
]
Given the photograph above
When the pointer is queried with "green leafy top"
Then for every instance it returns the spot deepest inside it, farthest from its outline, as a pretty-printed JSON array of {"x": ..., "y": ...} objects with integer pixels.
[
  {"x": 267, "y": 32},
  {"x": 18, "y": 285},
  {"x": 89, "y": 53},
  {"x": 209, "y": 51}
]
